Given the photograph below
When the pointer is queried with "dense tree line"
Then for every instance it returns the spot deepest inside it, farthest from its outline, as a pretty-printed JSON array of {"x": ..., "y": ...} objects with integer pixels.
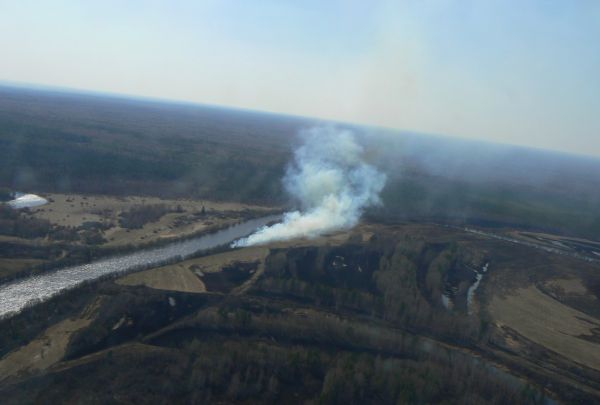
[
  {"x": 380, "y": 280},
  {"x": 138, "y": 216},
  {"x": 5, "y": 194},
  {"x": 17, "y": 223}
]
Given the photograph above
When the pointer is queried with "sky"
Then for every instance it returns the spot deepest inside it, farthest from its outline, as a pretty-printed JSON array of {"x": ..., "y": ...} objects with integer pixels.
[{"x": 519, "y": 72}]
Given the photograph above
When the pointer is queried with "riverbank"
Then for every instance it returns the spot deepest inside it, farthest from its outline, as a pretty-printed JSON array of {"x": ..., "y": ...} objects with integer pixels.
[
  {"x": 101, "y": 226},
  {"x": 21, "y": 293}
]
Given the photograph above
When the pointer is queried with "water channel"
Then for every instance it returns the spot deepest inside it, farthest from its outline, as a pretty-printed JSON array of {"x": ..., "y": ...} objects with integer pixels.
[{"x": 16, "y": 295}]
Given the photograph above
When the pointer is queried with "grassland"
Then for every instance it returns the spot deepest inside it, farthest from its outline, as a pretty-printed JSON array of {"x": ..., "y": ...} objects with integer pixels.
[
  {"x": 549, "y": 323},
  {"x": 182, "y": 217},
  {"x": 175, "y": 278},
  {"x": 49, "y": 347},
  {"x": 76, "y": 228}
]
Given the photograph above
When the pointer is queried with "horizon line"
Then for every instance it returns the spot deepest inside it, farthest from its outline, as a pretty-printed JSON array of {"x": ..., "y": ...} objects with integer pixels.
[{"x": 161, "y": 100}]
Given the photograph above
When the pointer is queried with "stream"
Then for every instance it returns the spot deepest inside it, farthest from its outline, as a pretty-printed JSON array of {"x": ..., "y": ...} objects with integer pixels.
[{"x": 474, "y": 286}]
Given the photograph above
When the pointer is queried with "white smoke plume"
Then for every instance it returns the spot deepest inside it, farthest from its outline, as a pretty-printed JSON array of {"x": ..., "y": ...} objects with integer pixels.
[{"x": 332, "y": 183}]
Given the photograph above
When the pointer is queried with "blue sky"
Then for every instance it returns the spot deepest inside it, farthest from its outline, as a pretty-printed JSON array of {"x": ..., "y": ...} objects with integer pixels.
[{"x": 522, "y": 72}]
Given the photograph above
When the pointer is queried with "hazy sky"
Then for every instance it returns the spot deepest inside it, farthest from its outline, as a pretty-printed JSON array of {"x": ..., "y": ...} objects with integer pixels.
[{"x": 522, "y": 71}]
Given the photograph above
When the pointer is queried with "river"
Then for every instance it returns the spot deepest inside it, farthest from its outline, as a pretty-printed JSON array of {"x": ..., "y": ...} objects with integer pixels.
[
  {"x": 569, "y": 253},
  {"x": 16, "y": 295}
]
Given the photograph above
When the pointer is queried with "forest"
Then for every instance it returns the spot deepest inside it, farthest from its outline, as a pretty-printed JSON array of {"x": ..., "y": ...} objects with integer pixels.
[{"x": 62, "y": 142}]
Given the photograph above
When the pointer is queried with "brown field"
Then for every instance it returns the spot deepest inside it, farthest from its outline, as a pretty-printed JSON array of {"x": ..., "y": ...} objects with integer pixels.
[
  {"x": 74, "y": 210},
  {"x": 549, "y": 323},
  {"x": 572, "y": 286},
  {"x": 48, "y": 348},
  {"x": 174, "y": 278},
  {"x": 9, "y": 267},
  {"x": 186, "y": 276},
  {"x": 79, "y": 222}
]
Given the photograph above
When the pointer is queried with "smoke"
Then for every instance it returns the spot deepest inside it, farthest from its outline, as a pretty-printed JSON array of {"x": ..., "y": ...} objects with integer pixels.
[{"x": 332, "y": 184}]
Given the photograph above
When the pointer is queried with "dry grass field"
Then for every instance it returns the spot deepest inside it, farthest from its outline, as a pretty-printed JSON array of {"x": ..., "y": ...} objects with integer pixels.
[
  {"x": 187, "y": 276},
  {"x": 74, "y": 228},
  {"x": 13, "y": 266},
  {"x": 48, "y": 348},
  {"x": 74, "y": 210},
  {"x": 570, "y": 286},
  {"x": 549, "y": 323},
  {"x": 172, "y": 278}
]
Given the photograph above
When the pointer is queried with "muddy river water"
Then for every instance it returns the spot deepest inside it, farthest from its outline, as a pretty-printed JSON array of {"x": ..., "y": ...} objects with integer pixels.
[{"x": 16, "y": 295}]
